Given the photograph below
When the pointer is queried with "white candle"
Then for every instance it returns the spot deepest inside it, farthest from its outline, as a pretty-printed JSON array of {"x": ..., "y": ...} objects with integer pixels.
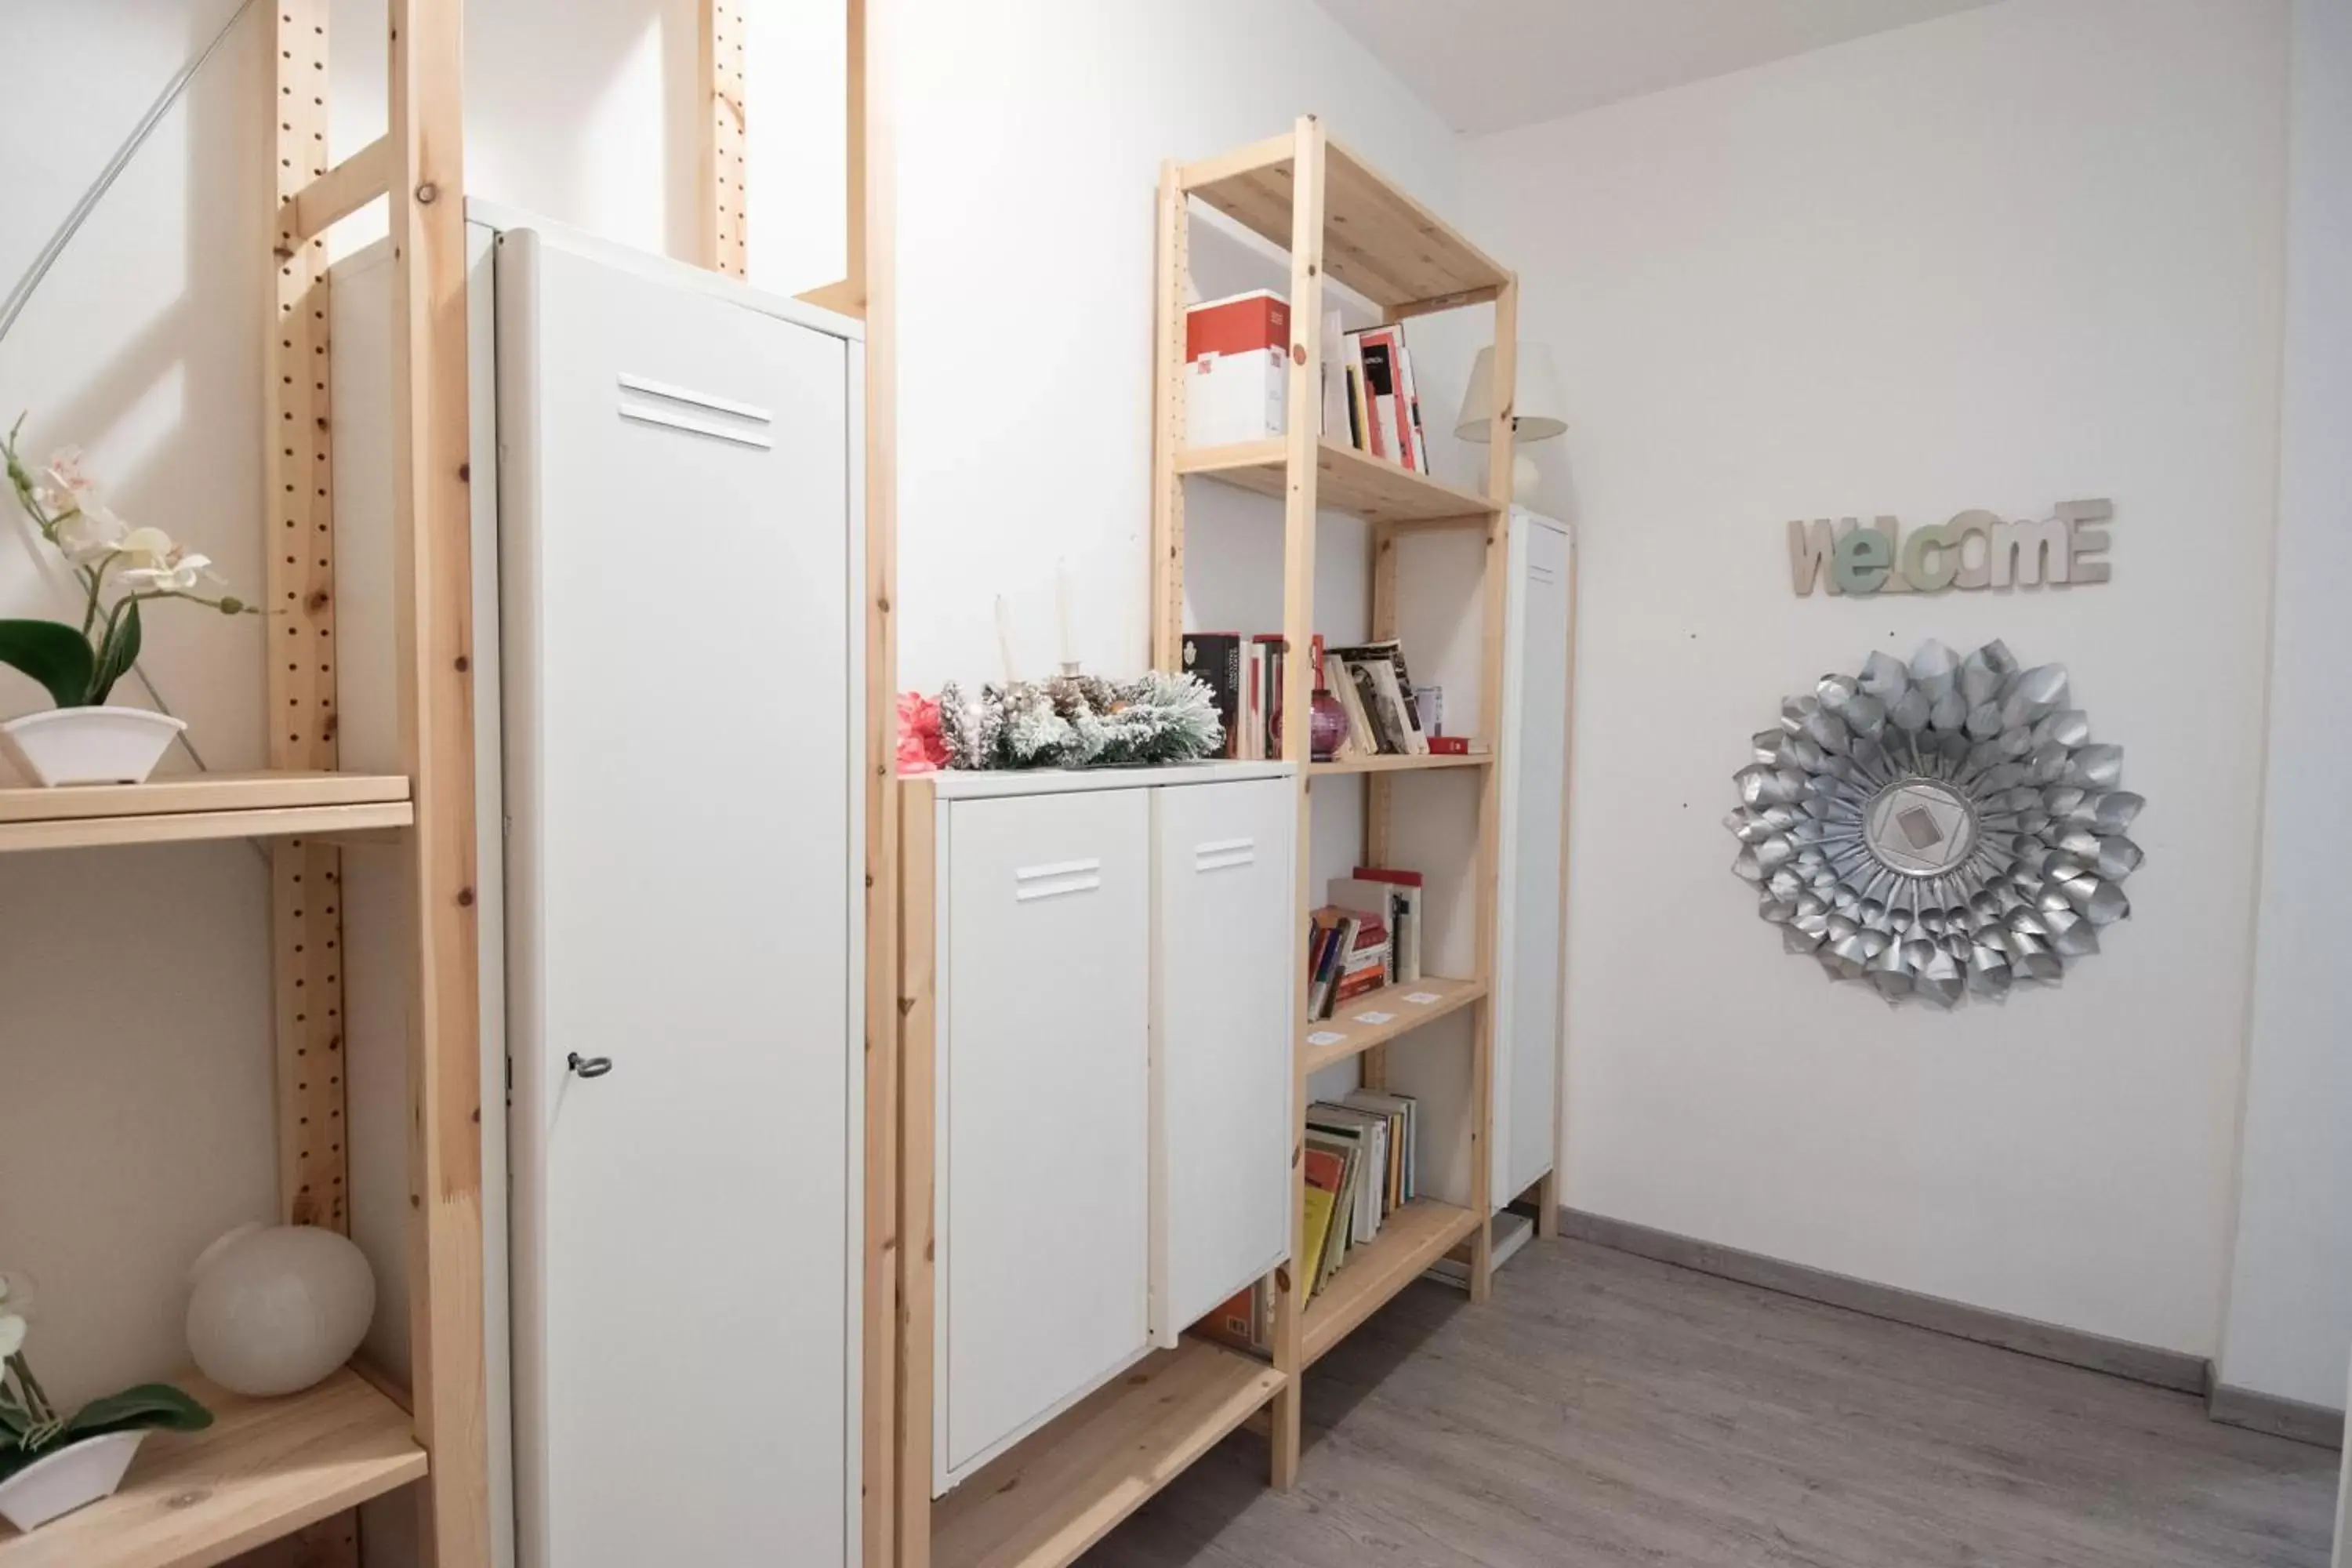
[
  {"x": 1062, "y": 602},
  {"x": 1005, "y": 638}
]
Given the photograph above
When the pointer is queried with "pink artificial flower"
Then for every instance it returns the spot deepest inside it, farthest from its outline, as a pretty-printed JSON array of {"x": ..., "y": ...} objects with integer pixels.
[{"x": 920, "y": 748}]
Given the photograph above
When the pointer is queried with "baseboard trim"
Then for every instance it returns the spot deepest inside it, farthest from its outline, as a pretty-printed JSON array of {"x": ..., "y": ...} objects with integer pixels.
[
  {"x": 2277, "y": 1415},
  {"x": 2075, "y": 1347}
]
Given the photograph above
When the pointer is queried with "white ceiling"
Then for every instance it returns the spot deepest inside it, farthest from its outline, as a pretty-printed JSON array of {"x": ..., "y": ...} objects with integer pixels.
[{"x": 1491, "y": 65}]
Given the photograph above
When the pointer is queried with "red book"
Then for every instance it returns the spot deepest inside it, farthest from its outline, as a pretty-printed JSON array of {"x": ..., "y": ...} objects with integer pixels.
[
  {"x": 1382, "y": 874},
  {"x": 1384, "y": 383},
  {"x": 1449, "y": 745},
  {"x": 1236, "y": 325}
]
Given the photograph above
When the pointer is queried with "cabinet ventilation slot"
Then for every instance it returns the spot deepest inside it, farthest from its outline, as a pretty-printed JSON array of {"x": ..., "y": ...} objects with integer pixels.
[
  {"x": 1053, "y": 880},
  {"x": 652, "y": 402},
  {"x": 1224, "y": 854}
]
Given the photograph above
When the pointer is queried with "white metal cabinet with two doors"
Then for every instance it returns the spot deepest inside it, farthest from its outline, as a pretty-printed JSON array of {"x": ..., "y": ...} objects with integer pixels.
[{"x": 1112, "y": 1076}]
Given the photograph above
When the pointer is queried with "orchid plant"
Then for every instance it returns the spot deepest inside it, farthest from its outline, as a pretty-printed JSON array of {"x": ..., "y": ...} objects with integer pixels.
[
  {"x": 119, "y": 568},
  {"x": 31, "y": 1427}
]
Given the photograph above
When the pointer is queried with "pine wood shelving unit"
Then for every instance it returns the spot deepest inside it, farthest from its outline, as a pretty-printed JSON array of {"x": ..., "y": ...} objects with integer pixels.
[
  {"x": 1345, "y": 480},
  {"x": 284, "y": 1473},
  {"x": 264, "y": 1467},
  {"x": 1340, "y": 219},
  {"x": 1410, "y": 1240},
  {"x": 1067, "y": 1485},
  {"x": 1391, "y": 764},
  {"x": 209, "y": 805},
  {"x": 1326, "y": 1042}
]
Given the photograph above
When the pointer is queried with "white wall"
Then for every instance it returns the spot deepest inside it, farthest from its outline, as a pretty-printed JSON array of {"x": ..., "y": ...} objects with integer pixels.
[
  {"x": 2290, "y": 1306},
  {"x": 2011, "y": 257}
]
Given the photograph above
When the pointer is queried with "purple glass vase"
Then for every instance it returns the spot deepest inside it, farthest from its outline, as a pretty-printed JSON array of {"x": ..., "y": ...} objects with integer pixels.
[{"x": 1329, "y": 727}]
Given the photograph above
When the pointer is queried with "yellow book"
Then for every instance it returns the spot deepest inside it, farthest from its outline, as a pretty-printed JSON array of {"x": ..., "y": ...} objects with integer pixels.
[{"x": 1318, "y": 1230}]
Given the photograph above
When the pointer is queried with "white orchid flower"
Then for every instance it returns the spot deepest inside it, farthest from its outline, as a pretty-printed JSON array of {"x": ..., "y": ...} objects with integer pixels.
[
  {"x": 16, "y": 1291},
  {"x": 92, "y": 534},
  {"x": 147, "y": 549},
  {"x": 180, "y": 574},
  {"x": 65, "y": 485},
  {"x": 11, "y": 1334}
]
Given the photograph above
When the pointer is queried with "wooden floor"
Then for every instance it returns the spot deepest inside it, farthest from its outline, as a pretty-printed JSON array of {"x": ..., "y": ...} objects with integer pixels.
[{"x": 1607, "y": 1409}]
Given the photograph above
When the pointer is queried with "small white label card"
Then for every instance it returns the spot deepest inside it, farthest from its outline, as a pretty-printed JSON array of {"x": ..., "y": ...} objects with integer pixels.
[
  {"x": 1376, "y": 1018},
  {"x": 1421, "y": 998},
  {"x": 1324, "y": 1037}
]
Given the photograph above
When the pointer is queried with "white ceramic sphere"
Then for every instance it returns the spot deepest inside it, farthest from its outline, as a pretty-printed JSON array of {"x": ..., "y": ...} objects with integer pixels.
[{"x": 276, "y": 1308}]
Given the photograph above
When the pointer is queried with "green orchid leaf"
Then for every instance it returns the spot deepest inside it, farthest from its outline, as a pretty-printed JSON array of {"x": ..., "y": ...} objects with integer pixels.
[
  {"x": 155, "y": 1405},
  {"x": 56, "y": 656},
  {"x": 120, "y": 653},
  {"x": 11, "y": 1423}
]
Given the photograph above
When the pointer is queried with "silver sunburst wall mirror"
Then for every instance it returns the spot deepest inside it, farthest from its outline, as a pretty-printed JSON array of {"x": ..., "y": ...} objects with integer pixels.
[{"x": 1940, "y": 828}]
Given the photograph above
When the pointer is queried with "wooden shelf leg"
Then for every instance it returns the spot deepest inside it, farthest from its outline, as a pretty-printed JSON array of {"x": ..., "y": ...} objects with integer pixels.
[
  {"x": 1547, "y": 1206},
  {"x": 433, "y": 577},
  {"x": 1282, "y": 1468}
]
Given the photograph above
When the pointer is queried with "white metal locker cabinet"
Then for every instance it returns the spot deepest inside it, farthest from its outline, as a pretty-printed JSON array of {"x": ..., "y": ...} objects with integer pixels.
[
  {"x": 680, "y": 588},
  {"x": 1222, "y": 1042},
  {"x": 1527, "y": 987},
  {"x": 1042, "y": 1177}
]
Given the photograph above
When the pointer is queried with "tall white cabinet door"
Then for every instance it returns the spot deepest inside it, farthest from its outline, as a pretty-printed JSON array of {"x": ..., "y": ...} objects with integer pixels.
[
  {"x": 1528, "y": 1045},
  {"x": 1042, "y": 1178},
  {"x": 678, "y": 578},
  {"x": 1221, "y": 1047}
]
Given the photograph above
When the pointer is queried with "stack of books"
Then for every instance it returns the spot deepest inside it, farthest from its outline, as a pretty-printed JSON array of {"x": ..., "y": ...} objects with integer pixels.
[
  {"x": 1369, "y": 398},
  {"x": 1361, "y": 1165},
  {"x": 1390, "y": 899},
  {"x": 1367, "y": 937},
  {"x": 1386, "y": 715}
]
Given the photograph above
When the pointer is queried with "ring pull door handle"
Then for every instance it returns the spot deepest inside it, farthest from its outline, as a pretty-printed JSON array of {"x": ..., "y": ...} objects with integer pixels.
[{"x": 588, "y": 1067}]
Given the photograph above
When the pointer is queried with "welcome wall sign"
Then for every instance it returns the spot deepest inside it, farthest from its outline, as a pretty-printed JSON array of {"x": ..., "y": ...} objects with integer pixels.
[{"x": 1975, "y": 550}]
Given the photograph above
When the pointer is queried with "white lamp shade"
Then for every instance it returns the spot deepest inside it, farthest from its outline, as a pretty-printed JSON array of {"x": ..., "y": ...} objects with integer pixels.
[{"x": 1542, "y": 411}]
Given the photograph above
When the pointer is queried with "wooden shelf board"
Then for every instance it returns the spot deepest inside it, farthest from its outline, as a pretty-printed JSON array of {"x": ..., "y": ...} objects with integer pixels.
[
  {"x": 207, "y": 805},
  {"x": 1410, "y": 1240},
  {"x": 1062, "y": 1489},
  {"x": 1400, "y": 765},
  {"x": 1377, "y": 240},
  {"x": 265, "y": 1469},
  {"x": 1354, "y": 482},
  {"x": 1355, "y": 1036}
]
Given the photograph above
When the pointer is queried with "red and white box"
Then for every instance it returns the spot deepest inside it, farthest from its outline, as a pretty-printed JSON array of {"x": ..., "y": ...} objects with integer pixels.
[{"x": 1236, "y": 369}]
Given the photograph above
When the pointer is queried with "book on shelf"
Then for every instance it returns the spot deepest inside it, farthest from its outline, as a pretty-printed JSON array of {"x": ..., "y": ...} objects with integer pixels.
[
  {"x": 1216, "y": 658},
  {"x": 1338, "y": 394},
  {"x": 1241, "y": 1321},
  {"x": 1236, "y": 369},
  {"x": 1326, "y": 1177},
  {"x": 1365, "y": 1198},
  {"x": 1395, "y": 896},
  {"x": 1403, "y": 1113},
  {"x": 1347, "y": 955},
  {"x": 1262, "y": 677}
]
